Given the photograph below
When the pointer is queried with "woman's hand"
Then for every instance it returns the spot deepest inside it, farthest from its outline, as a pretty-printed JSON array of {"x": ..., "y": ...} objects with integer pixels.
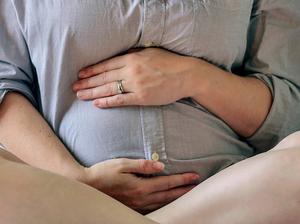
[
  {"x": 151, "y": 76},
  {"x": 122, "y": 179}
]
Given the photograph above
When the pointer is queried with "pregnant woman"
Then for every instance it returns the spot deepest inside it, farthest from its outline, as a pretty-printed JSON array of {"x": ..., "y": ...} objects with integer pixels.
[{"x": 217, "y": 89}]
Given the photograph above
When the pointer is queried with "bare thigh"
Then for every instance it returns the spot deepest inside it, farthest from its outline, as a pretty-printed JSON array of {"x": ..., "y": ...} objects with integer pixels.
[
  {"x": 262, "y": 189},
  {"x": 293, "y": 140}
]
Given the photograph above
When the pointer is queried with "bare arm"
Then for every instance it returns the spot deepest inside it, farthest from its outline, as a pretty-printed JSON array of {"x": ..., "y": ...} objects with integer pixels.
[
  {"x": 33, "y": 140},
  {"x": 230, "y": 96}
]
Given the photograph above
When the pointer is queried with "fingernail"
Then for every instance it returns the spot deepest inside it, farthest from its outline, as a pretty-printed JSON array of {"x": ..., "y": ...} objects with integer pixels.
[
  {"x": 75, "y": 87},
  {"x": 96, "y": 103},
  {"x": 82, "y": 73},
  {"x": 195, "y": 177},
  {"x": 159, "y": 165},
  {"x": 80, "y": 94}
]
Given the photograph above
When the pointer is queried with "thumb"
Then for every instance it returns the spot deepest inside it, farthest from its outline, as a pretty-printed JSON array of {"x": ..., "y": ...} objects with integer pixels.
[{"x": 142, "y": 166}]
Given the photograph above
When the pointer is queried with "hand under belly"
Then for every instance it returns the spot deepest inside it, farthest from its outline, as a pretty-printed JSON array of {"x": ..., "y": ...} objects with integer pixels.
[{"x": 187, "y": 139}]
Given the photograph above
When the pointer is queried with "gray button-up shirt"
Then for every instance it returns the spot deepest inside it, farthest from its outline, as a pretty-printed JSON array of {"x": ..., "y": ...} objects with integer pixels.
[{"x": 45, "y": 43}]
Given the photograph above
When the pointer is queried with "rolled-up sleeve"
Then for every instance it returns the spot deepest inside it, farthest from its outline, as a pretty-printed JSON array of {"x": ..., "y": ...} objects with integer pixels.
[
  {"x": 16, "y": 71},
  {"x": 273, "y": 56}
]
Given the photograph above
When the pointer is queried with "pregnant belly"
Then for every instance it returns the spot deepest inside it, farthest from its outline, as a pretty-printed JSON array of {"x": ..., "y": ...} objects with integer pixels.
[
  {"x": 185, "y": 136},
  {"x": 93, "y": 135}
]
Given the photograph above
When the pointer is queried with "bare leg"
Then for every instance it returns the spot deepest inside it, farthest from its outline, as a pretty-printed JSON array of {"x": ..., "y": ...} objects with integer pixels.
[
  {"x": 262, "y": 189},
  {"x": 29, "y": 195},
  {"x": 291, "y": 141}
]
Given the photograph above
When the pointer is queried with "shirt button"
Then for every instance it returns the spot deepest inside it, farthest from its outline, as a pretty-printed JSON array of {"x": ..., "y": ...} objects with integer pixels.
[
  {"x": 155, "y": 156},
  {"x": 149, "y": 44}
]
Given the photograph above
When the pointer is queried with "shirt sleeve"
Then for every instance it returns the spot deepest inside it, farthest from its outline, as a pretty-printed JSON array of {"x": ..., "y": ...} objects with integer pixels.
[
  {"x": 16, "y": 70},
  {"x": 273, "y": 56}
]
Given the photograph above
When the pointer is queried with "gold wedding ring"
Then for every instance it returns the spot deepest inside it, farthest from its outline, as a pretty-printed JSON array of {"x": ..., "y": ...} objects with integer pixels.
[{"x": 120, "y": 87}]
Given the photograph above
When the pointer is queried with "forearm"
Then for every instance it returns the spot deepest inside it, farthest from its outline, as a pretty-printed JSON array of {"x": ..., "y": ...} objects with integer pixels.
[
  {"x": 242, "y": 102},
  {"x": 26, "y": 134},
  {"x": 29, "y": 195}
]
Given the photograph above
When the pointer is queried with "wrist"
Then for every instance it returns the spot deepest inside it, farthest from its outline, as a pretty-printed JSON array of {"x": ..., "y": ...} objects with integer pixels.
[
  {"x": 86, "y": 176},
  {"x": 197, "y": 78},
  {"x": 83, "y": 175},
  {"x": 76, "y": 172}
]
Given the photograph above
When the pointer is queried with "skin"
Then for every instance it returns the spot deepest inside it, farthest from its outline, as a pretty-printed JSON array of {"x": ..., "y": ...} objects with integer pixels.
[
  {"x": 155, "y": 76},
  {"x": 29, "y": 195},
  {"x": 262, "y": 189},
  {"x": 36, "y": 143},
  {"x": 150, "y": 77},
  {"x": 238, "y": 194}
]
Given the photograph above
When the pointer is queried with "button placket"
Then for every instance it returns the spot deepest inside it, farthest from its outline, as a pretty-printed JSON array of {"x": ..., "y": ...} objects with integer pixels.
[
  {"x": 153, "y": 133},
  {"x": 154, "y": 22},
  {"x": 151, "y": 117}
]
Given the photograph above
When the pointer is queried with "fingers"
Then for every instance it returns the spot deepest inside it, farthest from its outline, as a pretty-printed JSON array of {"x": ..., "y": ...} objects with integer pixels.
[
  {"x": 159, "y": 199},
  {"x": 98, "y": 80},
  {"x": 127, "y": 99},
  {"x": 164, "y": 183},
  {"x": 110, "y": 64},
  {"x": 140, "y": 166},
  {"x": 140, "y": 193},
  {"x": 150, "y": 208},
  {"x": 170, "y": 195},
  {"x": 109, "y": 89}
]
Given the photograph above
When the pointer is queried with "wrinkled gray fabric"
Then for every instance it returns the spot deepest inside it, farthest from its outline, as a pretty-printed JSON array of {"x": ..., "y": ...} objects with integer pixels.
[{"x": 44, "y": 43}]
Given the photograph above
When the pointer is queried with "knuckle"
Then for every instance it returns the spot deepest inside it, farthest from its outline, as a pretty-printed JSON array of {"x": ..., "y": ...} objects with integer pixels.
[
  {"x": 139, "y": 191},
  {"x": 143, "y": 95},
  {"x": 139, "y": 82},
  {"x": 87, "y": 82},
  {"x": 83, "y": 83},
  {"x": 121, "y": 162},
  {"x": 131, "y": 71},
  {"x": 119, "y": 165},
  {"x": 103, "y": 67},
  {"x": 106, "y": 102},
  {"x": 169, "y": 184},
  {"x": 120, "y": 100},
  {"x": 104, "y": 77},
  {"x": 90, "y": 93},
  {"x": 109, "y": 90},
  {"x": 143, "y": 165},
  {"x": 137, "y": 69},
  {"x": 90, "y": 70}
]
